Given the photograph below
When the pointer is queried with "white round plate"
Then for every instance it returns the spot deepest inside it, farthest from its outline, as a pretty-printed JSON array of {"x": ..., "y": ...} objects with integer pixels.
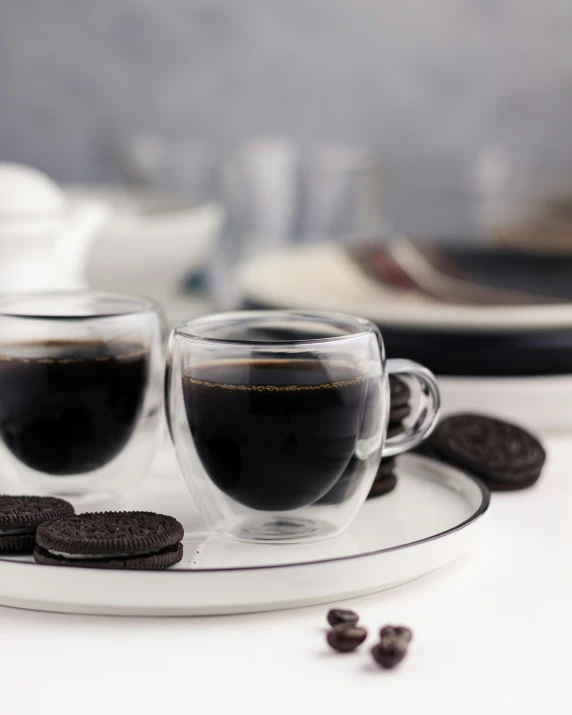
[{"x": 432, "y": 517}]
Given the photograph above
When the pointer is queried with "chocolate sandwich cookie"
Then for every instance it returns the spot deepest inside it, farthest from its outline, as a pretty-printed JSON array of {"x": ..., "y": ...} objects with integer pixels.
[
  {"x": 394, "y": 430},
  {"x": 398, "y": 414},
  {"x": 21, "y": 516},
  {"x": 504, "y": 456},
  {"x": 399, "y": 392},
  {"x": 426, "y": 449},
  {"x": 382, "y": 485},
  {"x": 386, "y": 466},
  {"x": 111, "y": 540},
  {"x": 385, "y": 480},
  {"x": 399, "y": 409}
]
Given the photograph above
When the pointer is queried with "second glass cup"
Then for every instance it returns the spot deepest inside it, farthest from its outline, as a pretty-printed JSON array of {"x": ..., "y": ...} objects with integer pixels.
[
  {"x": 80, "y": 393},
  {"x": 279, "y": 419}
]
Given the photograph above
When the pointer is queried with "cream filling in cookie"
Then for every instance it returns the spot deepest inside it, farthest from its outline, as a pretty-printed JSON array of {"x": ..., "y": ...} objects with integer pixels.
[{"x": 65, "y": 555}]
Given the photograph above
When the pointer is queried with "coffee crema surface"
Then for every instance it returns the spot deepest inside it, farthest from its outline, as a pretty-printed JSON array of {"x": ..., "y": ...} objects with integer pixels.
[{"x": 70, "y": 407}]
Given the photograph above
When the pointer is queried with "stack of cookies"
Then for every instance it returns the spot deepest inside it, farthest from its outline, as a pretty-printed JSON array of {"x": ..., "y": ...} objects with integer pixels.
[
  {"x": 400, "y": 396},
  {"x": 20, "y": 517},
  {"x": 49, "y": 528}
]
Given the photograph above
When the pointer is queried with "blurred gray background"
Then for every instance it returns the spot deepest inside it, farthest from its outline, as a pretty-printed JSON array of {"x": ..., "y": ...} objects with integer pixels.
[{"x": 419, "y": 78}]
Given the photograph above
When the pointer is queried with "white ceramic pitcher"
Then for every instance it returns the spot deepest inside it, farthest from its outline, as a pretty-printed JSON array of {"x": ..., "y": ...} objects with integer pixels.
[{"x": 44, "y": 240}]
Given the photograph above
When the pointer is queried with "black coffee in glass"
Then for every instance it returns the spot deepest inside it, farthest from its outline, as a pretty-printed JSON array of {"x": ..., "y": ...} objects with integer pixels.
[
  {"x": 70, "y": 407},
  {"x": 275, "y": 434}
]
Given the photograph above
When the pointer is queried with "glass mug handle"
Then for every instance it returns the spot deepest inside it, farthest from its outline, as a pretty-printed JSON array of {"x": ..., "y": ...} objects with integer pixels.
[{"x": 427, "y": 409}]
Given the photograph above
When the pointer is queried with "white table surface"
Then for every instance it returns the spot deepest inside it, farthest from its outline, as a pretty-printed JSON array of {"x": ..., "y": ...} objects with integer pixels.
[{"x": 493, "y": 634}]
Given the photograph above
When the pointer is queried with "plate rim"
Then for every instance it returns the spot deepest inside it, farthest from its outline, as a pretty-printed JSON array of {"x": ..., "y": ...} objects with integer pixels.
[{"x": 474, "y": 517}]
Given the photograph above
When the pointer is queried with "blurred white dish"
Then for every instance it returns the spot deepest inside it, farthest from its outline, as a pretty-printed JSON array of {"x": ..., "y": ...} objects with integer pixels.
[
  {"x": 324, "y": 276},
  {"x": 44, "y": 238},
  {"x": 26, "y": 192},
  {"x": 151, "y": 242}
]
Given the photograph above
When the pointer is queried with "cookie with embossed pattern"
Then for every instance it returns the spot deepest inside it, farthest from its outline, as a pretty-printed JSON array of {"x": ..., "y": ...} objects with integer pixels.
[
  {"x": 399, "y": 392},
  {"x": 111, "y": 540},
  {"x": 504, "y": 455},
  {"x": 20, "y": 517},
  {"x": 382, "y": 485}
]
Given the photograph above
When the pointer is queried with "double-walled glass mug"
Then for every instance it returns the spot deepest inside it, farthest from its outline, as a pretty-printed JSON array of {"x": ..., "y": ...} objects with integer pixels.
[
  {"x": 80, "y": 392},
  {"x": 279, "y": 419}
]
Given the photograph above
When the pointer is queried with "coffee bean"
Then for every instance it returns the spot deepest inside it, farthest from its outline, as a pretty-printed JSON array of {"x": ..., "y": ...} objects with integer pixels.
[
  {"x": 389, "y": 651},
  {"x": 339, "y": 616},
  {"x": 345, "y": 638},
  {"x": 397, "y": 632}
]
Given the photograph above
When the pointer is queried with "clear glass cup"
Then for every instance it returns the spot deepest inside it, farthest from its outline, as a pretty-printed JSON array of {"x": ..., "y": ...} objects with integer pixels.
[
  {"x": 279, "y": 419},
  {"x": 80, "y": 393}
]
